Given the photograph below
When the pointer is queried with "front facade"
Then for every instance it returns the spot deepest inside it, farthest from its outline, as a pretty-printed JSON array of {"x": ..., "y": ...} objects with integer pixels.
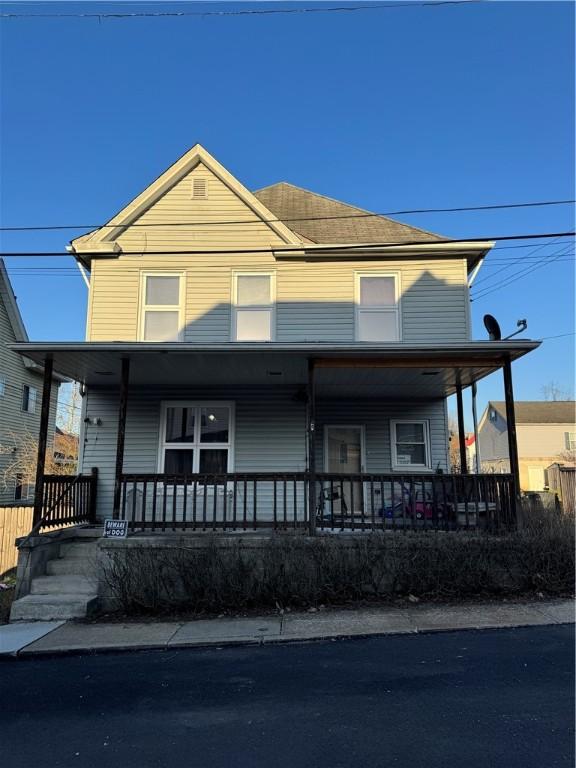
[
  {"x": 546, "y": 434},
  {"x": 20, "y": 403},
  {"x": 265, "y": 350}
]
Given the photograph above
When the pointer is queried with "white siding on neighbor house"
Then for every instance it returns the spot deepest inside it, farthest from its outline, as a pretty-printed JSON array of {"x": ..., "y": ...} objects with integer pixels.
[
  {"x": 314, "y": 301},
  {"x": 16, "y": 424},
  {"x": 269, "y": 431}
]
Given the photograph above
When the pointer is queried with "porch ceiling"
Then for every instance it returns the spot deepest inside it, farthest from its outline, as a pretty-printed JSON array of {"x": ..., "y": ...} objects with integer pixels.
[{"x": 396, "y": 370}]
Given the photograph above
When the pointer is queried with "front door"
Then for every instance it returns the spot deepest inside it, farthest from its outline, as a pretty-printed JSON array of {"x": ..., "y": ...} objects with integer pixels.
[{"x": 344, "y": 455}]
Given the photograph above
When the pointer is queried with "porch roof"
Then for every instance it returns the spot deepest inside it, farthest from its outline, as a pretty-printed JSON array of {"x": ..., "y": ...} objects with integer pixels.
[{"x": 368, "y": 370}]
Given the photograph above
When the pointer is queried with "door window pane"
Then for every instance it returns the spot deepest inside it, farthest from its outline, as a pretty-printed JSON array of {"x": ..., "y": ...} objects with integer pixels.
[
  {"x": 253, "y": 290},
  {"x": 180, "y": 425},
  {"x": 163, "y": 290},
  {"x": 411, "y": 453},
  {"x": 377, "y": 326},
  {"x": 213, "y": 461},
  {"x": 178, "y": 462},
  {"x": 410, "y": 433},
  {"x": 214, "y": 425},
  {"x": 344, "y": 453},
  {"x": 253, "y": 325},
  {"x": 377, "y": 291},
  {"x": 161, "y": 326}
]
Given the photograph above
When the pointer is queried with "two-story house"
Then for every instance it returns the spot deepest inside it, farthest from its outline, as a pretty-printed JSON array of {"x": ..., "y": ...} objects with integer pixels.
[
  {"x": 272, "y": 358},
  {"x": 546, "y": 433},
  {"x": 20, "y": 403}
]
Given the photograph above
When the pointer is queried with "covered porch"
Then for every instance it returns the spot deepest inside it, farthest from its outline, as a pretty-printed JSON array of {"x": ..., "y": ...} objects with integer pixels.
[{"x": 304, "y": 437}]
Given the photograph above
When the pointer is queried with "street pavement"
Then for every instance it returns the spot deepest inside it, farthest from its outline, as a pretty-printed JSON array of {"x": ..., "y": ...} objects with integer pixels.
[{"x": 471, "y": 698}]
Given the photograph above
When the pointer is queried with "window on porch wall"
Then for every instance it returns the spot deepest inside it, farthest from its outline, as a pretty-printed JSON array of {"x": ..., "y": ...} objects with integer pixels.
[
  {"x": 410, "y": 445},
  {"x": 195, "y": 438},
  {"x": 377, "y": 315},
  {"x": 161, "y": 307},
  {"x": 253, "y": 310}
]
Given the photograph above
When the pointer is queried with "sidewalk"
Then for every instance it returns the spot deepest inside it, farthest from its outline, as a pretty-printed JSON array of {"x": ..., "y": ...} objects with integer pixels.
[{"x": 61, "y": 637}]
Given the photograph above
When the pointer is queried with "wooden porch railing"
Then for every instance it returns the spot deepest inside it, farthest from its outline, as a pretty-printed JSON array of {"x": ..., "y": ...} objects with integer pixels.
[
  {"x": 67, "y": 500},
  {"x": 280, "y": 501}
]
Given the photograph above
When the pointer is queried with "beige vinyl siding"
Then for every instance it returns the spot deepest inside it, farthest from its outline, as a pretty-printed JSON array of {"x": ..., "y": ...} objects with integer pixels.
[
  {"x": 315, "y": 301},
  {"x": 269, "y": 431},
  {"x": 178, "y": 205},
  {"x": 540, "y": 440},
  {"x": 14, "y": 422}
]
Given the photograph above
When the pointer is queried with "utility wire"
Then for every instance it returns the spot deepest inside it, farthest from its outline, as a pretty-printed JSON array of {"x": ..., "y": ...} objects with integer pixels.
[
  {"x": 259, "y": 12},
  {"x": 363, "y": 215},
  {"x": 517, "y": 260},
  {"x": 491, "y": 289},
  {"x": 271, "y": 249},
  {"x": 557, "y": 336}
]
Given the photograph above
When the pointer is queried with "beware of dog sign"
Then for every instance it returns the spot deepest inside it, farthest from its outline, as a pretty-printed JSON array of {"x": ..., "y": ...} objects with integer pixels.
[{"x": 115, "y": 529}]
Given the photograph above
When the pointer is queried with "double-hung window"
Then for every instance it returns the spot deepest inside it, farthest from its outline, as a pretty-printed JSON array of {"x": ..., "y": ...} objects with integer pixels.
[
  {"x": 410, "y": 445},
  {"x": 196, "y": 437},
  {"x": 29, "y": 398},
  {"x": 253, "y": 307},
  {"x": 377, "y": 312},
  {"x": 162, "y": 307}
]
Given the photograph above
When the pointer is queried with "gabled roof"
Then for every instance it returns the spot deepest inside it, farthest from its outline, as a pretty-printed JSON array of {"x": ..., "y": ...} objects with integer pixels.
[
  {"x": 539, "y": 411},
  {"x": 103, "y": 238},
  {"x": 9, "y": 298},
  {"x": 321, "y": 219}
]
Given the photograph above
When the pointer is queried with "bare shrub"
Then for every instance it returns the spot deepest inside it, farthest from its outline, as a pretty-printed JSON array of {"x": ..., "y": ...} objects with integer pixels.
[{"x": 224, "y": 575}]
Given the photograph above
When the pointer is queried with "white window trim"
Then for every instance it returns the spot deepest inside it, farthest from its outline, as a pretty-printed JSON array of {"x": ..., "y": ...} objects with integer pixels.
[
  {"x": 427, "y": 467},
  {"x": 196, "y": 445},
  {"x": 389, "y": 308},
  {"x": 143, "y": 307},
  {"x": 271, "y": 307}
]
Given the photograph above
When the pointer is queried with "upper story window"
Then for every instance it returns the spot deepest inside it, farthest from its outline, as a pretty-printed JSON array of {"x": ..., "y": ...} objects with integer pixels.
[
  {"x": 410, "y": 445},
  {"x": 253, "y": 307},
  {"x": 377, "y": 310},
  {"x": 570, "y": 441},
  {"x": 162, "y": 299},
  {"x": 2, "y": 385},
  {"x": 29, "y": 398},
  {"x": 196, "y": 437}
]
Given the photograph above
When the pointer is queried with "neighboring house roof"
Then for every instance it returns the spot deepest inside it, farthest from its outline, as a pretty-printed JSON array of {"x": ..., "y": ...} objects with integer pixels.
[
  {"x": 539, "y": 411},
  {"x": 321, "y": 219},
  {"x": 11, "y": 305}
]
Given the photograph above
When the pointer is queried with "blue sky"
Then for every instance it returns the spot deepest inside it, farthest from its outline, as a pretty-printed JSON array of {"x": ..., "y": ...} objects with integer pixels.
[{"x": 388, "y": 109}]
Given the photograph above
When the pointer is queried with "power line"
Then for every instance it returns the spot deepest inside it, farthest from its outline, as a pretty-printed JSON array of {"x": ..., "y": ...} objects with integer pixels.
[
  {"x": 259, "y": 12},
  {"x": 363, "y": 215},
  {"x": 271, "y": 249},
  {"x": 516, "y": 260},
  {"x": 545, "y": 262},
  {"x": 557, "y": 336}
]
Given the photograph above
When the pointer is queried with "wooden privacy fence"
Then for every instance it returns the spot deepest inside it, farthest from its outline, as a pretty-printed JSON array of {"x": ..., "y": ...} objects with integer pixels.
[
  {"x": 15, "y": 521},
  {"x": 562, "y": 481}
]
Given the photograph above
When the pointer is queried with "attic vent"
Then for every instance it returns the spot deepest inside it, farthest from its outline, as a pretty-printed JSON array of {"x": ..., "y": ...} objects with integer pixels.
[{"x": 199, "y": 188}]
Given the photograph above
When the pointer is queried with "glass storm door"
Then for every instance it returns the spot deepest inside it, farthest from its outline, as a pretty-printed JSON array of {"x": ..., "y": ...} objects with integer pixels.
[{"x": 344, "y": 456}]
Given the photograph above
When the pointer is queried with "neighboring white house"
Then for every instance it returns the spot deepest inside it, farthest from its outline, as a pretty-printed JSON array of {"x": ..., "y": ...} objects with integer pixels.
[{"x": 546, "y": 433}]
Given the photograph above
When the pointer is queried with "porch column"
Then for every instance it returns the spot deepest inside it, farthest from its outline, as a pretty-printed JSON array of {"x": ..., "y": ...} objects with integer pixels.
[
  {"x": 42, "y": 441},
  {"x": 512, "y": 442},
  {"x": 311, "y": 434},
  {"x": 124, "y": 378},
  {"x": 461, "y": 432}
]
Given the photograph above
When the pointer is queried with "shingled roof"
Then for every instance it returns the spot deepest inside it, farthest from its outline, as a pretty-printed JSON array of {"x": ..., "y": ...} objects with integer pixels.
[
  {"x": 539, "y": 411},
  {"x": 321, "y": 219}
]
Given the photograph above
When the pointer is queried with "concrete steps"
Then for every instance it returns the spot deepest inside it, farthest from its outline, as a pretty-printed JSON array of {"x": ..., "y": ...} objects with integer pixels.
[
  {"x": 63, "y": 585},
  {"x": 52, "y": 607},
  {"x": 69, "y": 590}
]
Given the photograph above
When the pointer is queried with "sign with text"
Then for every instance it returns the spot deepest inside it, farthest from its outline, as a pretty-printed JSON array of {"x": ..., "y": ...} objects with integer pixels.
[{"x": 115, "y": 529}]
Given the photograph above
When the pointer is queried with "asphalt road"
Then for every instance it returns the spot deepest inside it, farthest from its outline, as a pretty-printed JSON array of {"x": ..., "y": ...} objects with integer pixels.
[{"x": 465, "y": 699}]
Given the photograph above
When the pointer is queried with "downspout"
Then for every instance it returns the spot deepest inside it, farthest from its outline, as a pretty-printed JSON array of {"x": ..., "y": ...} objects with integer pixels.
[
  {"x": 475, "y": 271},
  {"x": 80, "y": 267}
]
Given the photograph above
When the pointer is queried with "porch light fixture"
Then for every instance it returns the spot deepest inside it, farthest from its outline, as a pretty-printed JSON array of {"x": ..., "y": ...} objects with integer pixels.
[{"x": 212, "y": 417}]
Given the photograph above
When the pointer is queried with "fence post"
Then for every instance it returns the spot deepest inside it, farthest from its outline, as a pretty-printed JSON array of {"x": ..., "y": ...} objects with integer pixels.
[{"x": 93, "y": 487}]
